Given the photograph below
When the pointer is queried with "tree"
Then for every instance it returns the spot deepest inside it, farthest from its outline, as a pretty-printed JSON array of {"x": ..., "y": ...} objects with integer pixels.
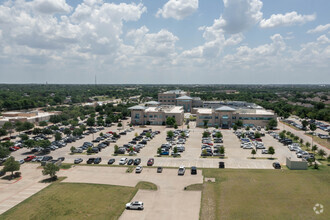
[
  {"x": 67, "y": 131},
  {"x": 3, "y": 132},
  {"x": 50, "y": 169},
  {"x": 175, "y": 126},
  {"x": 131, "y": 149},
  {"x": 271, "y": 151},
  {"x": 239, "y": 123},
  {"x": 8, "y": 126},
  {"x": 312, "y": 127},
  {"x": 183, "y": 134},
  {"x": 43, "y": 123},
  {"x": 24, "y": 137},
  {"x": 170, "y": 134},
  {"x": 89, "y": 150},
  {"x": 58, "y": 136},
  {"x": 222, "y": 150},
  {"x": 282, "y": 135},
  {"x": 257, "y": 135},
  {"x": 253, "y": 152},
  {"x": 308, "y": 144},
  {"x": 272, "y": 123},
  {"x": 29, "y": 143},
  {"x": 175, "y": 150},
  {"x": 120, "y": 124},
  {"x": 101, "y": 134},
  {"x": 4, "y": 151},
  {"x": 159, "y": 151},
  {"x": 321, "y": 153},
  {"x": 10, "y": 165},
  {"x": 218, "y": 135},
  {"x": 204, "y": 152},
  {"x": 136, "y": 134},
  {"x": 43, "y": 143},
  {"x": 206, "y": 134},
  {"x": 304, "y": 124},
  {"x": 36, "y": 131},
  {"x": 90, "y": 121},
  {"x": 148, "y": 135},
  {"x": 72, "y": 149},
  {"x": 205, "y": 123},
  {"x": 116, "y": 149},
  {"x": 235, "y": 127},
  {"x": 314, "y": 148},
  {"x": 170, "y": 121}
]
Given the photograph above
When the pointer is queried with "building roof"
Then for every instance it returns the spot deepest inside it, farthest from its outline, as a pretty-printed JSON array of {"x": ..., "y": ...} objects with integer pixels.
[
  {"x": 204, "y": 111},
  {"x": 137, "y": 107},
  {"x": 184, "y": 97},
  {"x": 152, "y": 103},
  {"x": 225, "y": 108}
]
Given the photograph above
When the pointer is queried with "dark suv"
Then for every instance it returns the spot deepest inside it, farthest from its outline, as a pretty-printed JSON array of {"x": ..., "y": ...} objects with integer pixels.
[
  {"x": 193, "y": 170},
  {"x": 277, "y": 165},
  {"x": 90, "y": 160},
  {"x": 97, "y": 160}
]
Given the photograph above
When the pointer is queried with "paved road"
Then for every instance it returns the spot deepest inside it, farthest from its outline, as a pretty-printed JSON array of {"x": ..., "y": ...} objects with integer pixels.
[
  {"x": 301, "y": 134},
  {"x": 170, "y": 201}
]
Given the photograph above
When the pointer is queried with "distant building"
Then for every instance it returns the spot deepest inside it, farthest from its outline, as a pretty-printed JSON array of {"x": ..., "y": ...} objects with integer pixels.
[
  {"x": 156, "y": 115},
  {"x": 33, "y": 116}
]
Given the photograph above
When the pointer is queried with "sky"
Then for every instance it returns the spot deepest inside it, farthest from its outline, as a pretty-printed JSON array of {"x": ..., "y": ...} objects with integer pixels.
[{"x": 165, "y": 41}]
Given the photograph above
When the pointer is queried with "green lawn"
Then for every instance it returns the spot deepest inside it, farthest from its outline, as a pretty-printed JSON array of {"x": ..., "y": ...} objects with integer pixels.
[
  {"x": 76, "y": 201},
  {"x": 265, "y": 194}
]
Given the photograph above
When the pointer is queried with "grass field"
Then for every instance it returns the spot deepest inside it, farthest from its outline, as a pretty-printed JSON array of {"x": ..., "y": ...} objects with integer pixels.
[
  {"x": 265, "y": 194},
  {"x": 321, "y": 141},
  {"x": 76, "y": 201}
]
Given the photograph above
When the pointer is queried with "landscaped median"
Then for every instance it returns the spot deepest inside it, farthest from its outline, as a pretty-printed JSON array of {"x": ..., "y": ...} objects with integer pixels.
[
  {"x": 262, "y": 158},
  {"x": 77, "y": 201}
]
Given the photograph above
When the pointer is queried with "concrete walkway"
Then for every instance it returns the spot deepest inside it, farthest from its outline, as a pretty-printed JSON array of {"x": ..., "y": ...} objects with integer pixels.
[{"x": 15, "y": 191}]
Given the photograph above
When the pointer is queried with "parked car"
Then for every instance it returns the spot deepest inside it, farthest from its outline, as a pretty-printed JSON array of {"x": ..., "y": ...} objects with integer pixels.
[
  {"x": 61, "y": 158},
  {"x": 97, "y": 160},
  {"x": 138, "y": 169},
  {"x": 221, "y": 164},
  {"x": 181, "y": 170},
  {"x": 265, "y": 151},
  {"x": 111, "y": 161},
  {"x": 29, "y": 158},
  {"x": 123, "y": 161},
  {"x": 135, "y": 205},
  {"x": 21, "y": 161},
  {"x": 193, "y": 170},
  {"x": 90, "y": 160},
  {"x": 277, "y": 165},
  {"x": 150, "y": 162},
  {"x": 137, "y": 161},
  {"x": 159, "y": 169},
  {"x": 130, "y": 162},
  {"x": 78, "y": 160}
]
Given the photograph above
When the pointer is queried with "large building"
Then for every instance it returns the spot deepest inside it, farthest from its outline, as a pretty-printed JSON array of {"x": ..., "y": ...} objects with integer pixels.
[
  {"x": 156, "y": 115},
  {"x": 223, "y": 114},
  {"x": 179, "y": 98},
  {"x": 226, "y": 117}
]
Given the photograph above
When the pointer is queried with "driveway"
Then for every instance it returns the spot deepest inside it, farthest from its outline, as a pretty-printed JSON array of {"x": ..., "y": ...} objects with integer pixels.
[{"x": 170, "y": 201}]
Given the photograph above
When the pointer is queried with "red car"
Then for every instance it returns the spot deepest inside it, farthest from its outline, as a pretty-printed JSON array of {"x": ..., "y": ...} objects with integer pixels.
[
  {"x": 151, "y": 162},
  {"x": 29, "y": 158},
  {"x": 13, "y": 148},
  {"x": 210, "y": 144}
]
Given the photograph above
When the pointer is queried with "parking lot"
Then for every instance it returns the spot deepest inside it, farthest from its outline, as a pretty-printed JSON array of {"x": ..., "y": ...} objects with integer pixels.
[
  {"x": 170, "y": 201},
  {"x": 236, "y": 157}
]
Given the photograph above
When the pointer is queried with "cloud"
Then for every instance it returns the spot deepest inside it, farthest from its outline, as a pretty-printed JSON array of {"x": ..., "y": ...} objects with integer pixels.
[
  {"x": 51, "y": 6},
  {"x": 288, "y": 19},
  {"x": 160, "y": 44},
  {"x": 178, "y": 9},
  {"x": 319, "y": 28},
  {"x": 239, "y": 15}
]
